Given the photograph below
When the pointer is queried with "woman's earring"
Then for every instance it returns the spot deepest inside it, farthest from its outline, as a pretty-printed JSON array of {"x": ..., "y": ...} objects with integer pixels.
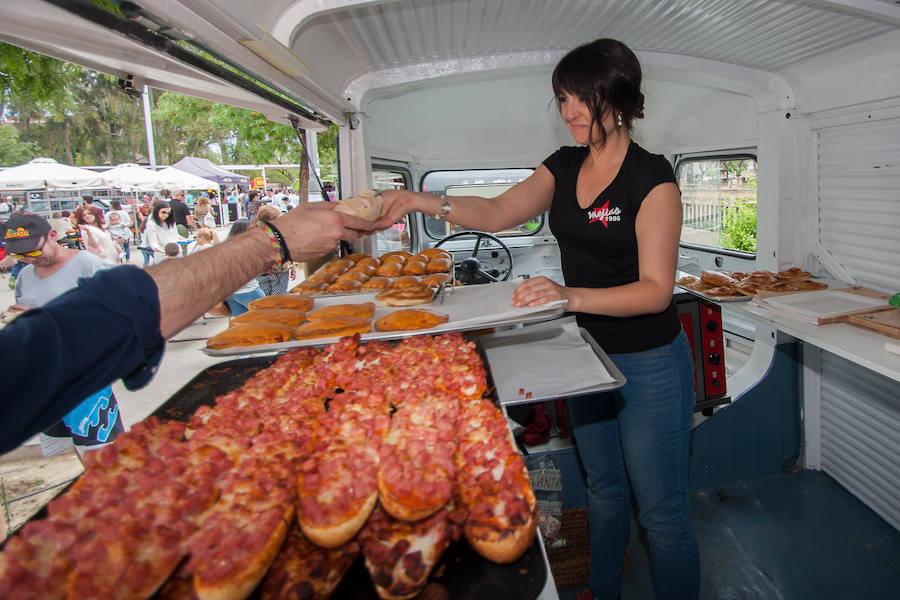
[{"x": 619, "y": 121}]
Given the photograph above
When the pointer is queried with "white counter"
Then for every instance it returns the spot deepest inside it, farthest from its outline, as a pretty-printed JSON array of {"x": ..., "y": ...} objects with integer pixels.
[{"x": 858, "y": 345}]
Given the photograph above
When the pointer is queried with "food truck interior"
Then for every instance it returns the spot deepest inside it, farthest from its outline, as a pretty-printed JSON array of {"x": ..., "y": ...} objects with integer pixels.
[{"x": 782, "y": 121}]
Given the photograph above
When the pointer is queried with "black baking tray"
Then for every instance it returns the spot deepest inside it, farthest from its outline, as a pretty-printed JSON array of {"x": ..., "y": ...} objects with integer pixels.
[{"x": 461, "y": 571}]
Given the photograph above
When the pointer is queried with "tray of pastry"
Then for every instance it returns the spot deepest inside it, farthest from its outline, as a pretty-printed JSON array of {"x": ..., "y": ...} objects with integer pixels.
[
  {"x": 463, "y": 308},
  {"x": 361, "y": 273},
  {"x": 735, "y": 286},
  {"x": 460, "y": 572}
]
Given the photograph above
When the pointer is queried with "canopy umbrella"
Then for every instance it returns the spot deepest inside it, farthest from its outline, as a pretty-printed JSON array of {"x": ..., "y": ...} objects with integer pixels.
[
  {"x": 133, "y": 178},
  {"x": 170, "y": 177},
  {"x": 209, "y": 170},
  {"x": 47, "y": 174}
]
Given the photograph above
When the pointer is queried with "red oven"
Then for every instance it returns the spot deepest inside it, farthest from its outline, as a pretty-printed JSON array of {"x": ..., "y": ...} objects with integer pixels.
[{"x": 702, "y": 322}]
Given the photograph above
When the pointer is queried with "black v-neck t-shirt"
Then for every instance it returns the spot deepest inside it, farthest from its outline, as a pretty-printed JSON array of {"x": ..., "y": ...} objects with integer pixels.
[{"x": 598, "y": 244}]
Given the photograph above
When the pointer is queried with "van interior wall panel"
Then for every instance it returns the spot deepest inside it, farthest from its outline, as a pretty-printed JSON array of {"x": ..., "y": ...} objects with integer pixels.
[
  {"x": 860, "y": 441},
  {"x": 755, "y": 436},
  {"x": 859, "y": 204}
]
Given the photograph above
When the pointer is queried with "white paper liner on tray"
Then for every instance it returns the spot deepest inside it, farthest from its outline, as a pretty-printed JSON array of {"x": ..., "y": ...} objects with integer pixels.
[
  {"x": 567, "y": 364},
  {"x": 468, "y": 307}
]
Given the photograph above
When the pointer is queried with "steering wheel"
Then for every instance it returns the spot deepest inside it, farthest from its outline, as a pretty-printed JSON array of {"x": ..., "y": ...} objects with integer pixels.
[{"x": 469, "y": 270}]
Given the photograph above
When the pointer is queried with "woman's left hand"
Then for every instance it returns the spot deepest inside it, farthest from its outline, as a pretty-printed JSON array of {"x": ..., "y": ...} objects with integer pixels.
[{"x": 539, "y": 290}]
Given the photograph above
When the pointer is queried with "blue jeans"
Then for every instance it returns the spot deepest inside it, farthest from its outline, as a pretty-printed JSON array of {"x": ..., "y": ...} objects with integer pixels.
[
  {"x": 238, "y": 304},
  {"x": 635, "y": 439}
]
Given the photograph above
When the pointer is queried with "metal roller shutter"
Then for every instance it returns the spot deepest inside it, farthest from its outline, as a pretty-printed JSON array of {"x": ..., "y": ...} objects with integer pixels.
[
  {"x": 861, "y": 433},
  {"x": 858, "y": 176}
]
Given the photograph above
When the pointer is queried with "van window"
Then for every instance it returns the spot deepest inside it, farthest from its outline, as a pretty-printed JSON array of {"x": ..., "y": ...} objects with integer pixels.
[
  {"x": 487, "y": 183},
  {"x": 397, "y": 236},
  {"x": 718, "y": 201}
]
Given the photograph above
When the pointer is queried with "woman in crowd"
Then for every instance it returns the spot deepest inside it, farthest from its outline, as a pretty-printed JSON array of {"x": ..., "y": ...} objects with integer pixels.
[
  {"x": 238, "y": 303},
  {"x": 275, "y": 281},
  {"x": 204, "y": 238},
  {"x": 203, "y": 215},
  {"x": 160, "y": 230},
  {"x": 615, "y": 210},
  {"x": 95, "y": 237}
]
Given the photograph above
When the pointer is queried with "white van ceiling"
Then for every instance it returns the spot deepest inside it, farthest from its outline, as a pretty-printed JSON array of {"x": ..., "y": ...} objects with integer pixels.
[{"x": 334, "y": 56}]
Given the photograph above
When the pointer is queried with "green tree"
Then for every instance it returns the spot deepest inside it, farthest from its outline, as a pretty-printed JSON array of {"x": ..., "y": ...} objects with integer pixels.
[
  {"x": 13, "y": 151},
  {"x": 739, "y": 227}
]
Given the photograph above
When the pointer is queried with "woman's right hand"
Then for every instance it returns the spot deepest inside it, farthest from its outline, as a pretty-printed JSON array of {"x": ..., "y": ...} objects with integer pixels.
[{"x": 398, "y": 203}]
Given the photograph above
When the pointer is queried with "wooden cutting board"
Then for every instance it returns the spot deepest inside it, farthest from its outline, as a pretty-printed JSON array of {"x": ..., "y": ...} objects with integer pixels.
[{"x": 882, "y": 321}]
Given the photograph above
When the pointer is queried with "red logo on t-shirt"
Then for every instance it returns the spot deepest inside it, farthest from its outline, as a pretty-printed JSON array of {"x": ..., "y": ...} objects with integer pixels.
[{"x": 604, "y": 214}]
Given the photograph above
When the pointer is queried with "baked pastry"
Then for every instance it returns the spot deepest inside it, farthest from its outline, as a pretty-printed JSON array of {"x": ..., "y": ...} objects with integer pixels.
[
  {"x": 288, "y": 301},
  {"x": 793, "y": 273},
  {"x": 367, "y": 205},
  {"x": 808, "y": 285},
  {"x": 250, "y": 334},
  {"x": 332, "y": 327},
  {"x": 325, "y": 276},
  {"x": 364, "y": 310},
  {"x": 310, "y": 287},
  {"x": 377, "y": 283},
  {"x": 353, "y": 276},
  {"x": 271, "y": 315},
  {"x": 368, "y": 261},
  {"x": 406, "y": 281},
  {"x": 717, "y": 278},
  {"x": 432, "y": 253},
  {"x": 406, "y": 255},
  {"x": 342, "y": 287},
  {"x": 409, "y": 296},
  {"x": 391, "y": 269},
  {"x": 357, "y": 268},
  {"x": 337, "y": 266},
  {"x": 436, "y": 279},
  {"x": 759, "y": 277},
  {"x": 356, "y": 257},
  {"x": 439, "y": 265},
  {"x": 722, "y": 292},
  {"x": 409, "y": 319},
  {"x": 414, "y": 267},
  {"x": 394, "y": 258}
]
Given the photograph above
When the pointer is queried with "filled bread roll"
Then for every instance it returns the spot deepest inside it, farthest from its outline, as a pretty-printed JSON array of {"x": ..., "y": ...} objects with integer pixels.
[{"x": 367, "y": 205}]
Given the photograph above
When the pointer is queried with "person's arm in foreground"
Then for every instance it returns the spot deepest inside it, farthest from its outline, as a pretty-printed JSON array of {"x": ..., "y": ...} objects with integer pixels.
[{"x": 49, "y": 367}]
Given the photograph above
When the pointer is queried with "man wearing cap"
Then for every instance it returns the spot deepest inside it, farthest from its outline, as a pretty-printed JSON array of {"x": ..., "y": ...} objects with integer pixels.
[{"x": 51, "y": 270}]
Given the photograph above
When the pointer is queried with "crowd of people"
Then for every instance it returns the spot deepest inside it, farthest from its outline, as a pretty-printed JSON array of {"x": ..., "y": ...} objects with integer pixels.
[{"x": 73, "y": 245}]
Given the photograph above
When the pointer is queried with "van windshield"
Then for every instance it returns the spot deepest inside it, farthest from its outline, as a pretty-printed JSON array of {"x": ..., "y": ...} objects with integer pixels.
[{"x": 487, "y": 183}]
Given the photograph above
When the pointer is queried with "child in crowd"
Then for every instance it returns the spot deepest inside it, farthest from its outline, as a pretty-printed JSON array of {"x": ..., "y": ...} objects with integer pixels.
[
  {"x": 121, "y": 235},
  {"x": 204, "y": 238},
  {"x": 172, "y": 251}
]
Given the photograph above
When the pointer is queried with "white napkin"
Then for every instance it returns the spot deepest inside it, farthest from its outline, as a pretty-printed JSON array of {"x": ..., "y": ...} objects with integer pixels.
[{"x": 549, "y": 360}]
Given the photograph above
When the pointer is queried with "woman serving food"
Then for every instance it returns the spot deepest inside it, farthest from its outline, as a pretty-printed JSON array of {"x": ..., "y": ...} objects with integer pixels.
[{"x": 616, "y": 211}]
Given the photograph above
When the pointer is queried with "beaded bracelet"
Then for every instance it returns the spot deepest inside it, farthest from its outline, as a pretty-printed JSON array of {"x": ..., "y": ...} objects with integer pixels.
[{"x": 283, "y": 255}]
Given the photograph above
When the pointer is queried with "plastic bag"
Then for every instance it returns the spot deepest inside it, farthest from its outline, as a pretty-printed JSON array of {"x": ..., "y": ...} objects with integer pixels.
[{"x": 546, "y": 481}]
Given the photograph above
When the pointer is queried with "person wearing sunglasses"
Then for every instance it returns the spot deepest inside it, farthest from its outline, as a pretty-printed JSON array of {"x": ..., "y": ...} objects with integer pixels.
[
  {"x": 52, "y": 269},
  {"x": 48, "y": 363},
  {"x": 161, "y": 230}
]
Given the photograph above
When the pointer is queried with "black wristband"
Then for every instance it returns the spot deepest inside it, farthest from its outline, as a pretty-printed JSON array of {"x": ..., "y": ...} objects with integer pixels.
[{"x": 283, "y": 247}]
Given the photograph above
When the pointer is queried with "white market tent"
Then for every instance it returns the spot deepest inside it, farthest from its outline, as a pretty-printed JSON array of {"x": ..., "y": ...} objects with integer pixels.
[
  {"x": 170, "y": 177},
  {"x": 47, "y": 174},
  {"x": 133, "y": 178}
]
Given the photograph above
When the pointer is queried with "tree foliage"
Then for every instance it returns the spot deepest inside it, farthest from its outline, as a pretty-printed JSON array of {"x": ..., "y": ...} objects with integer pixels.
[
  {"x": 78, "y": 116},
  {"x": 739, "y": 227}
]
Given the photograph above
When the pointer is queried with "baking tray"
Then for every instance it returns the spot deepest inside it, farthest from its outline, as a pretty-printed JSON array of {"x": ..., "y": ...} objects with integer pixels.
[
  {"x": 539, "y": 333},
  {"x": 461, "y": 571},
  {"x": 699, "y": 294},
  {"x": 469, "y": 307}
]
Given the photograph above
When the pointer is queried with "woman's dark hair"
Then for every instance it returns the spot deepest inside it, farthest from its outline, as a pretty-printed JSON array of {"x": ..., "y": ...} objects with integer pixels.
[
  {"x": 239, "y": 226},
  {"x": 115, "y": 205},
  {"x": 169, "y": 221},
  {"x": 606, "y": 75},
  {"x": 253, "y": 195}
]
